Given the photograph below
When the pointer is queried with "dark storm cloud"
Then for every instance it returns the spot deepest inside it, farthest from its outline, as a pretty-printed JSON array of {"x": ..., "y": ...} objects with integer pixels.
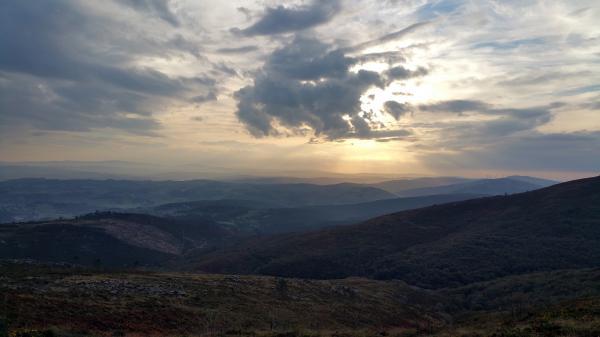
[
  {"x": 308, "y": 84},
  {"x": 283, "y": 19},
  {"x": 160, "y": 8},
  {"x": 63, "y": 67}
]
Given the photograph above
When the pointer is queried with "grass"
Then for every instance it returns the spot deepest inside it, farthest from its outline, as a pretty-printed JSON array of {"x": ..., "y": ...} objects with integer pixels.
[
  {"x": 171, "y": 304},
  {"x": 40, "y": 300}
]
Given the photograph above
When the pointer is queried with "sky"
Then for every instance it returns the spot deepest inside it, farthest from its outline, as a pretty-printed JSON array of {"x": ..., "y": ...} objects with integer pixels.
[{"x": 406, "y": 87}]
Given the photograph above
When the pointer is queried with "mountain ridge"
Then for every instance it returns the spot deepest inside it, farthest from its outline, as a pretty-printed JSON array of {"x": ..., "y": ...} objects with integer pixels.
[{"x": 517, "y": 234}]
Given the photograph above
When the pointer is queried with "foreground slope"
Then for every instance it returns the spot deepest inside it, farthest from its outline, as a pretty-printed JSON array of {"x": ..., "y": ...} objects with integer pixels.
[
  {"x": 446, "y": 245},
  {"x": 163, "y": 304},
  {"x": 85, "y": 302}
]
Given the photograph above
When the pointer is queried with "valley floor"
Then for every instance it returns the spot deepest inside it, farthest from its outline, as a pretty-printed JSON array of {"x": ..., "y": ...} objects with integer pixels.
[{"x": 47, "y": 300}]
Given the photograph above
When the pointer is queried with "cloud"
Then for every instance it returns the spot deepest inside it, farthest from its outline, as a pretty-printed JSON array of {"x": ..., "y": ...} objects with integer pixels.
[
  {"x": 508, "y": 119},
  {"x": 281, "y": 19},
  {"x": 487, "y": 124},
  {"x": 308, "y": 85},
  {"x": 237, "y": 50},
  {"x": 70, "y": 107},
  {"x": 390, "y": 36},
  {"x": 401, "y": 73},
  {"x": 396, "y": 109},
  {"x": 568, "y": 151},
  {"x": 389, "y": 57},
  {"x": 160, "y": 8},
  {"x": 308, "y": 59},
  {"x": 211, "y": 96},
  {"x": 69, "y": 68},
  {"x": 591, "y": 105},
  {"x": 455, "y": 106},
  {"x": 433, "y": 9}
]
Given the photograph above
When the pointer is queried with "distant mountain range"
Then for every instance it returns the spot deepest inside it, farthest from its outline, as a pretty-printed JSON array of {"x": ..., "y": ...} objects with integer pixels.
[
  {"x": 452, "y": 185},
  {"x": 34, "y": 199},
  {"x": 41, "y": 199},
  {"x": 438, "y": 246},
  {"x": 130, "y": 239},
  {"x": 401, "y": 185},
  {"x": 421, "y": 246},
  {"x": 522, "y": 264},
  {"x": 251, "y": 217}
]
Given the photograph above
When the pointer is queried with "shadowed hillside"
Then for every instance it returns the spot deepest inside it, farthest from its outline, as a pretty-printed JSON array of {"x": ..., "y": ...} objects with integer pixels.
[
  {"x": 452, "y": 244},
  {"x": 62, "y": 300},
  {"x": 109, "y": 240},
  {"x": 250, "y": 217},
  {"x": 133, "y": 239}
]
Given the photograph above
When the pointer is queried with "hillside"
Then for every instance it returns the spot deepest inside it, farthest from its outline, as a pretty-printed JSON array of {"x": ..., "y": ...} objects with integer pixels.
[
  {"x": 41, "y": 199},
  {"x": 447, "y": 245},
  {"x": 400, "y": 185},
  {"x": 252, "y": 217},
  {"x": 134, "y": 239},
  {"x": 500, "y": 186},
  {"x": 49, "y": 298},
  {"x": 170, "y": 304},
  {"x": 109, "y": 240}
]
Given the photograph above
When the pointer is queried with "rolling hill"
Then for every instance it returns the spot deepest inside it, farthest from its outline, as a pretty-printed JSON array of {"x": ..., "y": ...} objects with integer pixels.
[
  {"x": 499, "y": 186},
  {"x": 37, "y": 199},
  {"x": 133, "y": 239},
  {"x": 400, "y": 185},
  {"x": 253, "y": 217},
  {"x": 446, "y": 245},
  {"x": 109, "y": 240}
]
